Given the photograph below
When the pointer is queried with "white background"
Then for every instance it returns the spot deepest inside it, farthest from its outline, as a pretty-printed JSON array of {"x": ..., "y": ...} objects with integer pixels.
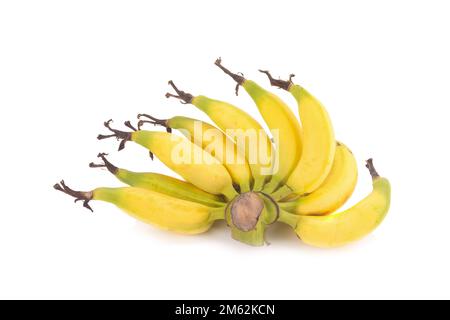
[{"x": 382, "y": 68}]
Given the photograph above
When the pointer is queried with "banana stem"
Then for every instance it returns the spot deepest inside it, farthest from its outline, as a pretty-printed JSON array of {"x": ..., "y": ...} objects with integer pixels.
[
  {"x": 185, "y": 97},
  {"x": 281, "y": 193},
  {"x": 230, "y": 194},
  {"x": 154, "y": 121},
  {"x": 129, "y": 125},
  {"x": 258, "y": 183},
  {"x": 271, "y": 186},
  {"x": 217, "y": 213},
  {"x": 106, "y": 164},
  {"x": 84, "y": 196},
  {"x": 236, "y": 77},
  {"x": 288, "y": 218},
  {"x": 121, "y": 135},
  {"x": 282, "y": 84},
  {"x": 272, "y": 203},
  {"x": 373, "y": 172}
]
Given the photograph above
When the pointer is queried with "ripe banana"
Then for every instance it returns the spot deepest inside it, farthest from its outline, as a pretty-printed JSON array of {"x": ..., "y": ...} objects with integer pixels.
[
  {"x": 161, "y": 183},
  {"x": 152, "y": 207},
  {"x": 182, "y": 156},
  {"x": 347, "y": 226},
  {"x": 241, "y": 127},
  {"x": 212, "y": 140},
  {"x": 334, "y": 191},
  {"x": 280, "y": 119},
  {"x": 318, "y": 140}
]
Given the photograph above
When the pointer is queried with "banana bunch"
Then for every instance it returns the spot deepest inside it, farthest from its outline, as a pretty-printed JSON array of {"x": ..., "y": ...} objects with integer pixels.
[{"x": 234, "y": 171}]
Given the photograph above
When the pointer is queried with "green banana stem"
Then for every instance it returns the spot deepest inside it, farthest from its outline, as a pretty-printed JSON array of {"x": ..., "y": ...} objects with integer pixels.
[
  {"x": 258, "y": 183},
  {"x": 288, "y": 218},
  {"x": 272, "y": 209},
  {"x": 271, "y": 186},
  {"x": 281, "y": 193},
  {"x": 217, "y": 213},
  {"x": 254, "y": 237}
]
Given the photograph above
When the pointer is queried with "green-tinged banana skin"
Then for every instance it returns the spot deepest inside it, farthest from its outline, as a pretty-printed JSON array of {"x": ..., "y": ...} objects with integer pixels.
[
  {"x": 335, "y": 190},
  {"x": 317, "y": 138},
  {"x": 162, "y": 184},
  {"x": 318, "y": 144},
  {"x": 208, "y": 174},
  {"x": 163, "y": 211},
  {"x": 241, "y": 128},
  {"x": 182, "y": 156},
  {"x": 214, "y": 141},
  {"x": 278, "y": 116},
  {"x": 349, "y": 225},
  {"x": 280, "y": 119}
]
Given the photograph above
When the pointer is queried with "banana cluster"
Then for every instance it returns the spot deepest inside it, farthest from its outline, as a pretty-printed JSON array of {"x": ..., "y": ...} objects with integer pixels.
[{"x": 234, "y": 171}]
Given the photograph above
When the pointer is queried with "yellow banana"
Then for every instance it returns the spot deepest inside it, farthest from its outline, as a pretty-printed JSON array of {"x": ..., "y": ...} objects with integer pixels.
[
  {"x": 347, "y": 226},
  {"x": 161, "y": 183},
  {"x": 241, "y": 127},
  {"x": 318, "y": 140},
  {"x": 280, "y": 119},
  {"x": 334, "y": 191},
  {"x": 212, "y": 140},
  {"x": 151, "y": 207},
  {"x": 182, "y": 156}
]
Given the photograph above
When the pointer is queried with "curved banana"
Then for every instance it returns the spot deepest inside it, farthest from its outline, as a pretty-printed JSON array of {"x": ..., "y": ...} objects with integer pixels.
[
  {"x": 280, "y": 119},
  {"x": 347, "y": 226},
  {"x": 241, "y": 127},
  {"x": 182, "y": 156},
  {"x": 318, "y": 140},
  {"x": 335, "y": 190},
  {"x": 212, "y": 140},
  {"x": 161, "y": 183},
  {"x": 163, "y": 211}
]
